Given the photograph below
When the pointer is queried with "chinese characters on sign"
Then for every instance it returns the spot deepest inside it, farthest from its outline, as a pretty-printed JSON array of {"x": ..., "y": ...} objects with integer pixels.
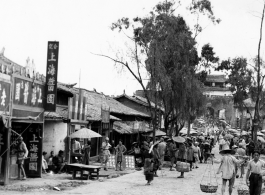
[
  {"x": 28, "y": 94},
  {"x": 51, "y": 76},
  {"x": 4, "y": 96},
  {"x": 33, "y": 153}
]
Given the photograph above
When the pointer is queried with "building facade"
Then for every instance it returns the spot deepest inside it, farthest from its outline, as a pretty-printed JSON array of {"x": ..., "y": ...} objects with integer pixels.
[{"x": 215, "y": 86}]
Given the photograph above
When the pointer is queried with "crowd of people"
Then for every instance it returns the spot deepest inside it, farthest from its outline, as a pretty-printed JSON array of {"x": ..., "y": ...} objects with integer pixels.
[
  {"x": 194, "y": 150},
  {"x": 237, "y": 154}
]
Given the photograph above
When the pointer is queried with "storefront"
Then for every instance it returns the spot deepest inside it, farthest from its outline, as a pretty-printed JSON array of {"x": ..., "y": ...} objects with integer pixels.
[
  {"x": 28, "y": 121},
  {"x": 5, "y": 94},
  {"x": 77, "y": 114}
]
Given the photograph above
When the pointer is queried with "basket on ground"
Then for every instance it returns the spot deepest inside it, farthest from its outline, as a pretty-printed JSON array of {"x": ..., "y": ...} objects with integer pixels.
[
  {"x": 242, "y": 192},
  {"x": 208, "y": 188}
]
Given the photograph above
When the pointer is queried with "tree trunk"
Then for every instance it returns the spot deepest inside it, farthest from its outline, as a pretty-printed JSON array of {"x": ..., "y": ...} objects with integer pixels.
[
  {"x": 259, "y": 87},
  {"x": 188, "y": 133}
]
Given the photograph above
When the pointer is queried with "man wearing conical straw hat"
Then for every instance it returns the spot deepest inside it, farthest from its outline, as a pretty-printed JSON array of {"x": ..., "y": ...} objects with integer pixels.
[{"x": 227, "y": 167}]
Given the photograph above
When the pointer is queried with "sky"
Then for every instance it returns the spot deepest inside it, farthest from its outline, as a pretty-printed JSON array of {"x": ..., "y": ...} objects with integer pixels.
[{"x": 82, "y": 28}]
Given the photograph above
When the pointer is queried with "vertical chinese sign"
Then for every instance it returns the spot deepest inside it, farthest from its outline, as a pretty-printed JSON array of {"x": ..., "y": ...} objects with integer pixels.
[
  {"x": 5, "y": 88},
  {"x": 105, "y": 122},
  {"x": 51, "y": 76}
]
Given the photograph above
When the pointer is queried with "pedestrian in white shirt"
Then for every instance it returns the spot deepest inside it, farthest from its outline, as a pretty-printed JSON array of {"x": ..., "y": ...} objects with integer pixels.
[
  {"x": 254, "y": 174},
  {"x": 105, "y": 152}
]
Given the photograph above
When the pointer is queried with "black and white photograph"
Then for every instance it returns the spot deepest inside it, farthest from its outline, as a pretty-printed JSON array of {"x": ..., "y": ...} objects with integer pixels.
[{"x": 132, "y": 97}]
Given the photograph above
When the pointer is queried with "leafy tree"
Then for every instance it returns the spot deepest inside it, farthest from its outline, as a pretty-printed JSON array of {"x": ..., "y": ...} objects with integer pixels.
[
  {"x": 164, "y": 47},
  {"x": 208, "y": 58}
]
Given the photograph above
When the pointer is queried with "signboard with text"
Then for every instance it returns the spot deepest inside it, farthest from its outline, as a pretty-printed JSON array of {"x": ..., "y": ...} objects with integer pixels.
[
  {"x": 28, "y": 93},
  {"x": 51, "y": 76},
  {"x": 4, "y": 96}
]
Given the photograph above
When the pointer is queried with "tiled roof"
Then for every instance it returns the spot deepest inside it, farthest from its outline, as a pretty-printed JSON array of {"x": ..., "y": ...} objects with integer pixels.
[
  {"x": 139, "y": 100},
  {"x": 64, "y": 87},
  {"x": 216, "y": 78},
  {"x": 60, "y": 113},
  {"x": 96, "y": 101}
]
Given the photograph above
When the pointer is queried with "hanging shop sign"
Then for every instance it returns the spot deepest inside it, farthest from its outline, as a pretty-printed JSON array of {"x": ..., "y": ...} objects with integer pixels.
[
  {"x": 78, "y": 106},
  {"x": 51, "y": 76},
  {"x": 105, "y": 115},
  {"x": 28, "y": 93}
]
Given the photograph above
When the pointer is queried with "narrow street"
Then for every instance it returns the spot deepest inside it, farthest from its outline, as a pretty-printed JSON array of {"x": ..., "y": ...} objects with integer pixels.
[{"x": 134, "y": 184}]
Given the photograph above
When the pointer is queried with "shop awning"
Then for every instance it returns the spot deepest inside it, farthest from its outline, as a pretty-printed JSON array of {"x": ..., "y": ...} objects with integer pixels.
[
  {"x": 122, "y": 127},
  {"x": 98, "y": 118},
  {"x": 131, "y": 127},
  {"x": 158, "y": 133}
]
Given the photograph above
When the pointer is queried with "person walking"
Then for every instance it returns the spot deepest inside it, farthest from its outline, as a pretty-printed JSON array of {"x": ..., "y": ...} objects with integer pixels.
[
  {"x": 161, "y": 150},
  {"x": 105, "y": 152},
  {"x": 182, "y": 154},
  {"x": 206, "y": 151},
  {"x": 196, "y": 153},
  {"x": 250, "y": 147},
  {"x": 227, "y": 167},
  {"x": 172, "y": 151},
  {"x": 201, "y": 145},
  {"x": 241, "y": 152},
  {"x": 148, "y": 164},
  {"x": 190, "y": 155},
  {"x": 120, "y": 150},
  {"x": 156, "y": 160},
  {"x": 254, "y": 174},
  {"x": 22, "y": 153},
  {"x": 86, "y": 155}
]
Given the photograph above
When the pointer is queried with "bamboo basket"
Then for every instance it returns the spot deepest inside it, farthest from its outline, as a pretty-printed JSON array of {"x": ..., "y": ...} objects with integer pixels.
[
  {"x": 209, "y": 182},
  {"x": 242, "y": 192},
  {"x": 208, "y": 188}
]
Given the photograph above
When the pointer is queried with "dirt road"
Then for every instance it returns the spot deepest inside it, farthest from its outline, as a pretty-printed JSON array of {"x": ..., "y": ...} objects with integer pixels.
[{"x": 134, "y": 184}]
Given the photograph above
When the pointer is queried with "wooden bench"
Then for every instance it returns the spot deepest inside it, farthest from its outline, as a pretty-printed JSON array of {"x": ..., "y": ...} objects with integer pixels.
[{"x": 91, "y": 169}]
